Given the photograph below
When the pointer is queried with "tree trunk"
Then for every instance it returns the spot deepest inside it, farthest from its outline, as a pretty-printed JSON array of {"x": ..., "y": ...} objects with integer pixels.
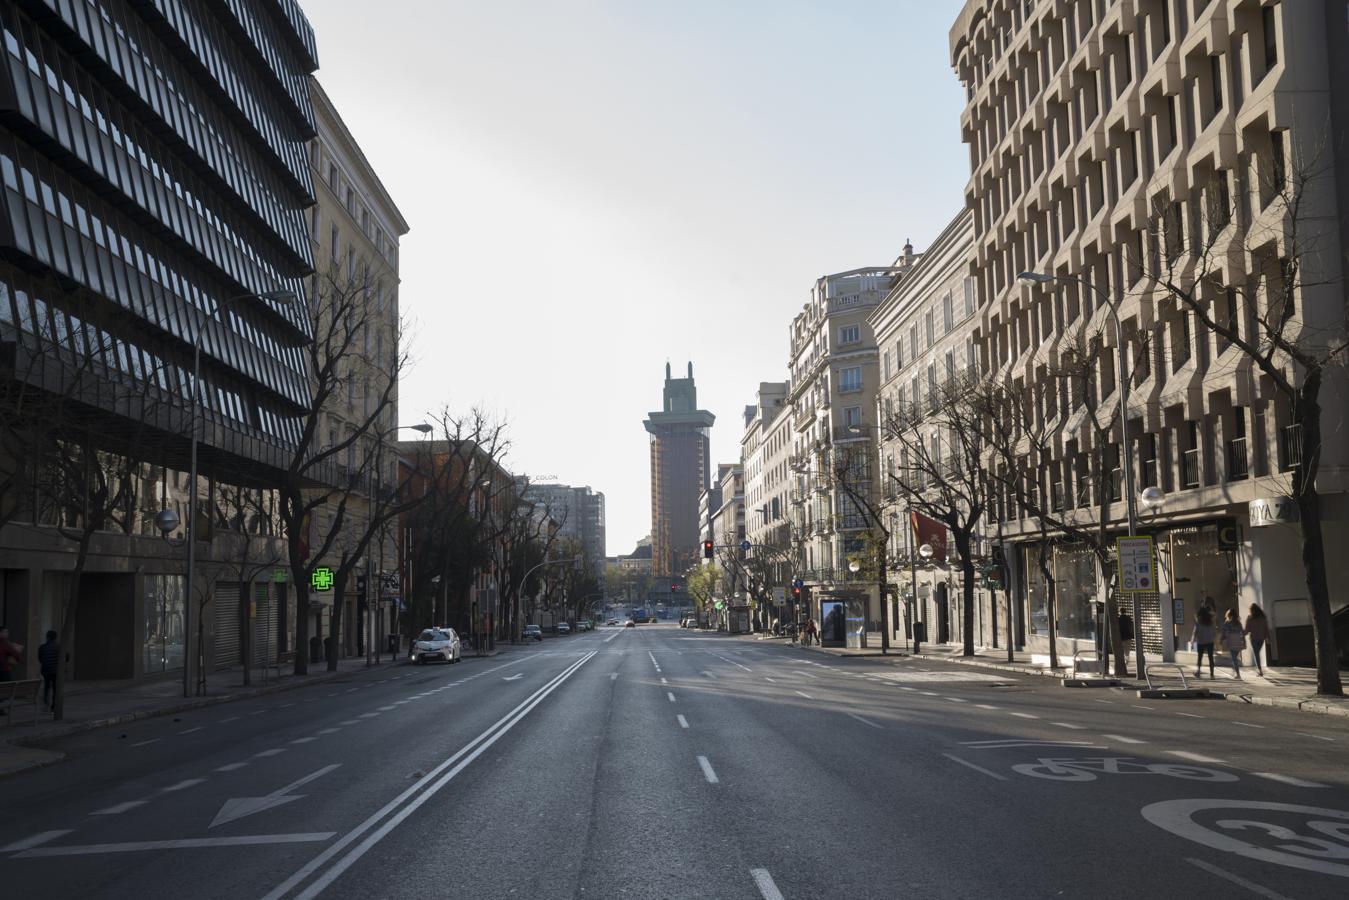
[
  {"x": 301, "y": 621},
  {"x": 1011, "y": 625},
  {"x": 246, "y": 627},
  {"x": 65, "y": 670},
  {"x": 1050, "y": 608},
  {"x": 1112, "y": 630},
  {"x": 967, "y": 600},
  {"x": 1308, "y": 414}
]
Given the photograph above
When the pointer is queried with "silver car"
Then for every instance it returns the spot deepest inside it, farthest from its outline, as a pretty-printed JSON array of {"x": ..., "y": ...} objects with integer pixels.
[{"x": 436, "y": 643}]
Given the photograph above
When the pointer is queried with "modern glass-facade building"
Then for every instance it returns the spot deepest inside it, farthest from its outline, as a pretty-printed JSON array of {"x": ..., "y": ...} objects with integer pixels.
[{"x": 155, "y": 182}]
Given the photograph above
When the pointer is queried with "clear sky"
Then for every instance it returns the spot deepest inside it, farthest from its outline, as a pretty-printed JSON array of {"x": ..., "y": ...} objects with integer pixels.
[{"x": 597, "y": 186}]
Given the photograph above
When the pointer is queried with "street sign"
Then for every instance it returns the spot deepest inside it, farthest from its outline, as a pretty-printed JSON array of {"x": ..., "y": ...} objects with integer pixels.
[
  {"x": 779, "y": 596},
  {"x": 1137, "y": 566},
  {"x": 798, "y": 583},
  {"x": 745, "y": 545},
  {"x": 322, "y": 579}
]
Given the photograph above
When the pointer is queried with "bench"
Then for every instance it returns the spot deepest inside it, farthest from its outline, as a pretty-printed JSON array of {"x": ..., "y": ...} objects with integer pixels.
[{"x": 15, "y": 695}]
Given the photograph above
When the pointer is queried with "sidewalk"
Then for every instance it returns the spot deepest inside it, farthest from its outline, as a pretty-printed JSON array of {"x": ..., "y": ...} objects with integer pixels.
[
  {"x": 100, "y": 703},
  {"x": 1287, "y": 688}
]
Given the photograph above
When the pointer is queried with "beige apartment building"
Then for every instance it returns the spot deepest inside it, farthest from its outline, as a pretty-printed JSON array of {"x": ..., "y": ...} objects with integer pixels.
[
  {"x": 925, "y": 329},
  {"x": 1085, "y": 120},
  {"x": 355, "y": 228},
  {"x": 835, "y": 375},
  {"x": 765, "y": 453}
]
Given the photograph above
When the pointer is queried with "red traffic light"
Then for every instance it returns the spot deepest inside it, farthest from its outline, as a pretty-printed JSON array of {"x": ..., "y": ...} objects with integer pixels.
[
  {"x": 674, "y": 588},
  {"x": 796, "y": 592},
  {"x": 707, "y": 549}
]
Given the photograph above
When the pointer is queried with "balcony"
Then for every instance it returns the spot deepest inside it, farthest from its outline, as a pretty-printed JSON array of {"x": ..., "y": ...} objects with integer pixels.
[
  {"x": 1189, "y": 469},
  {"x": 1238, "y": 462},
  {"x": 854, "y": 432},
  {"x": 1147, "y": 472},
  {"x": 1290, "y": 446}
]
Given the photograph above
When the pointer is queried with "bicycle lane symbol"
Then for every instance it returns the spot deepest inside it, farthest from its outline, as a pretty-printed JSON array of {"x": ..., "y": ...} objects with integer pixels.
[
  {"x": 1310, "y": 838},
  {"x": 1089, "y": 769}
]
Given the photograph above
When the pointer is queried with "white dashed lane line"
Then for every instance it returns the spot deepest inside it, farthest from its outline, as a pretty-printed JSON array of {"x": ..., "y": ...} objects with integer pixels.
[
  {"x": 986, "y": 706},
  {"x": 143, "y": 743},
  {"x": 1122, "y": 739},
  {"x": 683, "y": 722},
  {"x": 804, "y": 694},
  {"x": 275, "y": 751},
  {"x": 1197, "y": 757},
  {"x": 230, "y": 767},
  {"x": 670, "y": 695},
  {"x": 1068, "y": 725},
  {"x": 190, "y": 730},
  {"x": 767, "y": 888},
  {"x": 864, "y": 721},
  {"x": 182, "y": 785},
  {"x": 1288, "y": 779},
  {"x": 708, "y": 772},
  {"x": 1021, "y": 715},
  {"x": 119, "y": 808}
]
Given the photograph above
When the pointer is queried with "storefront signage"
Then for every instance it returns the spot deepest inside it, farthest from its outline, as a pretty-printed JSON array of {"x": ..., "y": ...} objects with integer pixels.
[
  {"x": 1178, "y": 611},
  {"x": 1137, "y": 571},
  {"x": 322, "y": 579},
  {"x": 1271, "y": 510}
]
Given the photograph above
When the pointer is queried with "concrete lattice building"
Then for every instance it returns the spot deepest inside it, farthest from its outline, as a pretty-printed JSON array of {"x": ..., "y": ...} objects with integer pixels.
[
  {"x": 580, "y": 510},
  {"x": 1085, "y": 120}
]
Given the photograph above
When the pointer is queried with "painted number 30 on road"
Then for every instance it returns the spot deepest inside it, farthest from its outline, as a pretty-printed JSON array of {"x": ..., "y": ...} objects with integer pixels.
[{"x": 1302, "y": 837}]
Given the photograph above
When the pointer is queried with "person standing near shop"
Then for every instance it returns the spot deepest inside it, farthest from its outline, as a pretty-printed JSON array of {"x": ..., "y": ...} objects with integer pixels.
[
  {"x": 1202, "y": 638},
  {"x": 1234, "y": 639},
  {"x": 1257, "y": 628}
]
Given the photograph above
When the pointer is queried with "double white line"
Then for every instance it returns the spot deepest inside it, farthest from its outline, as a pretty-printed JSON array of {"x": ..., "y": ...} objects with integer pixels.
[{"x": 402, "y": 806}]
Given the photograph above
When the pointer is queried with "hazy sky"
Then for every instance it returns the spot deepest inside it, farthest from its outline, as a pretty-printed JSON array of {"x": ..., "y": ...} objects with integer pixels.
[{"x": 596, "y": 187}]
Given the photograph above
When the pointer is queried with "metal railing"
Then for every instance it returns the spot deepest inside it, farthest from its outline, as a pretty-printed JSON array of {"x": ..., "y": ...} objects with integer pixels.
[
  {"x": 1290, "y": 438},
  {"x": 1147, "y": 674},
  {"x": 1189, "y": 468},
  {"x": 1238, "y": 466}
]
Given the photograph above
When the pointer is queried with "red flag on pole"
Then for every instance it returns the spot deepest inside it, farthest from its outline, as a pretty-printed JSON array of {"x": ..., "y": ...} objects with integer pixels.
[{"x": 931, "y": 532}]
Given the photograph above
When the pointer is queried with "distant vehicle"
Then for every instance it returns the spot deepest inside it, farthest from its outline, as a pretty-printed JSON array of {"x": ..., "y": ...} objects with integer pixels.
[
  {"x": 629, "y": 624},
  {"x": 437, "y": 643},
  {"x": 638, "y": 615},
  {"x": 563, "y": 628},
  {"x": 611, "y": 622},
  {"x": 533, "y": 631},
  {"x": 586, "y": 625}
]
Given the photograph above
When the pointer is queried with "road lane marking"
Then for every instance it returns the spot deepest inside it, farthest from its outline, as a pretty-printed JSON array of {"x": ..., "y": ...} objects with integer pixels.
[
  {"x": 663, "y": 681},
  {"x": 864, "y": 721},
  {"x": 1251, "y": 886},
  {"x": 230, "y": 719},
  {"x": 670, "y": 695},
  {"x": 131, "y": 847},
  {"x": 119, "y": 808},
  {"x": 387, "y": 708},
  {"x": 1190, "y": 715},
  {"x": 766, "y": 886},
  {"x": 143, "y": 743},
  {"x": 238, "y": 807},
  {"x": 732, "y": 662},
  {"x": 974, "y": 767},
  {"x": 929, "y": 693},
  {"x": 683, "y": 722},
  {"x": 1197, "y": 757},
  {"x": 413, "y": 796},
  {"x": 1288, "y": 779},
  {"x": 182, "y": 785},
  {"x": 258, "y": 712},
  {"x": 273, "y": 752},
  {"x": 613, "y": 676},
  {"x": 986, "y": 706},
  {"x": 34, "y": 840},
  {"x": 769, "y": 678},
  {"x": 1099, "y": 700},
  {"x": 1248, "y": 725},
  {"x": 303, "y": 740},
  {"x": 1068, "y": 725},
  {"x": 1021, "y": 715},
  {"x": 653, "y": 660},
  {"x": 957, "y": 700},
  {"x": 230, "y": 767},
  {"x": 1122, "y": 739},
  {"x": 804, "y": 694},
  {"x": 349, "y": 722},
  {"x": 368, "y": 715},
  {"x": 1136, "y": 706},
  {"x": 1317, "y": 736},
  {"x": 710, "y": 775}
]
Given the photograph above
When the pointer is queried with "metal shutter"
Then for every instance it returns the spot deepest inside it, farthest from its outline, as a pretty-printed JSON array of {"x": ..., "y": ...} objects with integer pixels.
[
  {"x": 264, "y": 627},
  {"x": 226, "y": 624}
]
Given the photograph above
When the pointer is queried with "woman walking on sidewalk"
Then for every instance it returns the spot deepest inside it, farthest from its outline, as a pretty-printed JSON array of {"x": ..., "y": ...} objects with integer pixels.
[
  {"x": 1202, "y": 637},
  {"x": 1257, "y": 628},
  {"x": 1234, "y": 639}
]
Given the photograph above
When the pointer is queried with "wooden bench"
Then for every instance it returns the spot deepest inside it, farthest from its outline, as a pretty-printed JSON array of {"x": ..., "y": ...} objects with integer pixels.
[{"x": 14, "y": 695}]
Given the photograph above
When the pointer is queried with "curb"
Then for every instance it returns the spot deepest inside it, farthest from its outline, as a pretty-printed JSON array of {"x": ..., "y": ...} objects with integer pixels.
[{"x": 1318, "y": 707}]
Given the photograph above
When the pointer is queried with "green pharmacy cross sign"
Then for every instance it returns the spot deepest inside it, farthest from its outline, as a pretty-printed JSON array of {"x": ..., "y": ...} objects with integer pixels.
[{"x": 322, "y": 579}]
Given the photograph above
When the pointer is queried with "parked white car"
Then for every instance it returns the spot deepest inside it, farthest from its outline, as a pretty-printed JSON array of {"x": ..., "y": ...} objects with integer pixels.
[{"x": 436, "y": 643}]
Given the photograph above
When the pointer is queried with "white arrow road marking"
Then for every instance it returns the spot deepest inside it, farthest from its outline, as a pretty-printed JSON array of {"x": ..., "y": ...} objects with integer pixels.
[
  {"x": 238, "y": 807},
  {"x": 241, "y": 840},
  {"x": 512, "y": 677}
]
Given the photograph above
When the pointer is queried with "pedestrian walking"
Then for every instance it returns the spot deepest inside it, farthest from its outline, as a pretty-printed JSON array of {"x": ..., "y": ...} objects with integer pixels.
[
  {"x": 1234, "y": 639},
  {"x": 810, "y": 631},
  {"x": 49, "y": 657},
  {"x": 1126, "y": 632},
  {"x": 1202, "y": 638},
  {"x": 1257, "y": 629}
]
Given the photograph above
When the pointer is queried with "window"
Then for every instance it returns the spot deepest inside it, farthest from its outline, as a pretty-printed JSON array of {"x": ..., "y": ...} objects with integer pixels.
[
  {"x": 948, "y": 314},
  {"x": 850, "y": 334},
  {"x": 1278, "y": 167},
  {"x": 913, "y": 341},
  {"x": 1216, "y": 74},
  {"x": 332, "y": 247},
  {"x": 1271, "y": 41},
  {"x": 850, "y": 379},
  {"x": 852, "y": 416},
  {"x": 971, "y": 298},
  {"x": 899, "y": 354},
  {"x": 931, "y": 328}
]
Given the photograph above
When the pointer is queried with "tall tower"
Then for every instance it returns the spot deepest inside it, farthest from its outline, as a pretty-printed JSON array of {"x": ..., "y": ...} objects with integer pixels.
[{"x": 680, "y": 460}]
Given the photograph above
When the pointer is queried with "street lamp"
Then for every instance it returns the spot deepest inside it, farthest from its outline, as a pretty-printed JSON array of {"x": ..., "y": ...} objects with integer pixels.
[
  {"x": 167, "y": 520},
  {"x": 1122, "y": 388},
  {"x": 424, "y": 428},
  {"x": 1153, "y": 497},
  {"x": 925, "y": 552}
]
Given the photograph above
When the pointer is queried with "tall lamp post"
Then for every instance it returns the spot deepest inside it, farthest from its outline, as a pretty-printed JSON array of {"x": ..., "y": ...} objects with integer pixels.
[
  {"x": 425, "y": 429},
  {"x": 167, "y": 520},
  {"x": 521, "y": 589},
  {"x": 1126, "y": 458}
]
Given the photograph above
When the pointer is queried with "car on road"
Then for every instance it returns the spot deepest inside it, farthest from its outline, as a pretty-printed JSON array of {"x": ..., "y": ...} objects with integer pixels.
[
  {"x": 437, "y": 644},
  {"x": 533, "y": 632},
  {"x": 611, "y": 622},
  {"x": 586, "y": 625},
  {"x": 629, "y": 624},
  {"x": 563, "y": 628}
]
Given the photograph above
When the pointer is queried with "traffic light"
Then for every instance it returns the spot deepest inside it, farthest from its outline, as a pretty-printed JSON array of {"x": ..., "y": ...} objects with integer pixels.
[
  {"x": 796, "y": 593},
  {"x": 360, "y": 585},
  {"x": 674, "y": 588},
  {"x": 707, "y": 549}
]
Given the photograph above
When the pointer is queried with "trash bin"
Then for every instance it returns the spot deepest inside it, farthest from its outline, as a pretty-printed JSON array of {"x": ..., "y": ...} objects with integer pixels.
[
  {"x": 315, "y": 649},
  {"x": 393, "y": 645}
]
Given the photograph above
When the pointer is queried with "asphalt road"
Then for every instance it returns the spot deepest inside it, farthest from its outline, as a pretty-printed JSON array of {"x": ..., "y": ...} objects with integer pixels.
[{"x": 662, "y": 763}]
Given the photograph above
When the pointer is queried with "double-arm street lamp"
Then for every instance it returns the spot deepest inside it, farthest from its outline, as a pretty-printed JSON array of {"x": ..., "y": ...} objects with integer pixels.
[
  {"x": 167, "y": 520},
  {"x": 1126, "y": 458},
  {"x": 519, "y": 592}
]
